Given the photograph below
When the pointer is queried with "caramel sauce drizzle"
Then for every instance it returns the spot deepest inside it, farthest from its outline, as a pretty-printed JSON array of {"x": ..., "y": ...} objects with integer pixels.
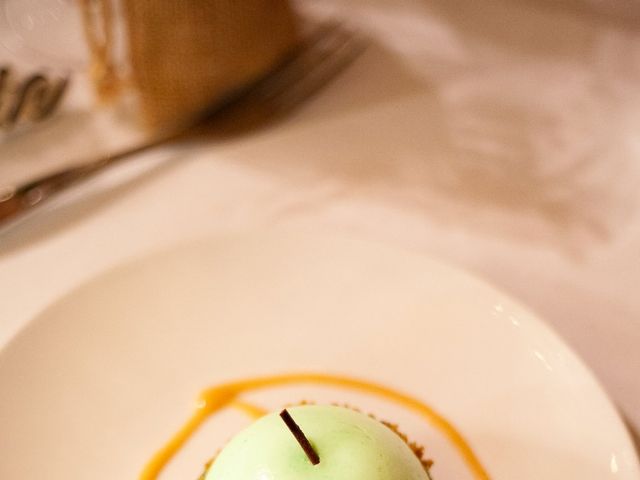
[{"x": 216, "y": 398}]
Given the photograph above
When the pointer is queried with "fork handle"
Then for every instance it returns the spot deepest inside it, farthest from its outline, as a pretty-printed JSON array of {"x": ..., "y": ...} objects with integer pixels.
[{"x": 18, "y": 199}]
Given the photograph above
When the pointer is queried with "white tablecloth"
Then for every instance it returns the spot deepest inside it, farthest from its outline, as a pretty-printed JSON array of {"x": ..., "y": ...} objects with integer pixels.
[{"x": 500, "y": 136}]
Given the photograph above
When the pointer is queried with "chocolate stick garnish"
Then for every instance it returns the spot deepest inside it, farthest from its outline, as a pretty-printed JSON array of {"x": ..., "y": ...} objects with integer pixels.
[{"x": 300, "y": 437}]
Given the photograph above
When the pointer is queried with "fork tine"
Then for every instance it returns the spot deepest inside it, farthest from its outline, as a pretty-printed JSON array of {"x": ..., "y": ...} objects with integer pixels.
[
  {"x": 287, "y": 70},
  {"x": 322, "y": 58},
  {"x": 32, "y": 100},
  {"x": 52, "y": 100},
  {"x": 299, "y": 62},
  {"x": 329, "y": 47},
  {"x": 32, "y": 86},
  {"x": 344, "y": 51}
]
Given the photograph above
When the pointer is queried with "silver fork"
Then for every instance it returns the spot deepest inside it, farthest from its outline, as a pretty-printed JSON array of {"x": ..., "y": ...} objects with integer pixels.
[{"x": 324, "y": 53}]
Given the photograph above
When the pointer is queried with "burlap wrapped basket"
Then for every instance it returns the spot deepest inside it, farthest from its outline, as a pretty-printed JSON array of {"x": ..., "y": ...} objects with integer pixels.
[{"x": 179, "y": 55}]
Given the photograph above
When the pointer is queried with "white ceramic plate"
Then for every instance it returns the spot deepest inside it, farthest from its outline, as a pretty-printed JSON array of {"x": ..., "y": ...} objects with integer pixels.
[{"x": 98, "y": 382}]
